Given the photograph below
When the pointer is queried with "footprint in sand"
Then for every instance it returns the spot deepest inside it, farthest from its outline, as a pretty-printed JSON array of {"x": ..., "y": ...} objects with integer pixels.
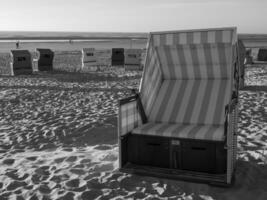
[
  {"x": 76, "y": 185},
  {"x": 44, "y": 189},
  {"x": 77, "y": 171},
  {"x": 8, "y": 161},
  {"x": 91, "y": 194},
  {"x": 68, "y": 196},
  {"x": 104, "y": 167},
  {"x": 59, "y": 160},
  {"x": 15, "y": 185},
  {"x": 92, "y": 175},
  {"x": 44, "y": 171},
  {"x": 32, "y": 158},
  {"x": 103, "y": 147},
  {"x": 71, "y": 159},
  {"x": 59, "y": 178},
  {"x": 110, "y": 157},
  {"x": 18, "y": 177},
  {"x": 83, "y": 161}
]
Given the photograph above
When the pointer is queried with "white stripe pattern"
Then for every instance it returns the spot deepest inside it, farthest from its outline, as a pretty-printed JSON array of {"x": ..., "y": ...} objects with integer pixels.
[
  {"x": 197, "y": 102},
  {"x": 201, "y": 132}
]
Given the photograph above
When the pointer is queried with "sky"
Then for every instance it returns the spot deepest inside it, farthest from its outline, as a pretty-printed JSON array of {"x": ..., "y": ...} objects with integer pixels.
[{"x": 249, "y": 16}]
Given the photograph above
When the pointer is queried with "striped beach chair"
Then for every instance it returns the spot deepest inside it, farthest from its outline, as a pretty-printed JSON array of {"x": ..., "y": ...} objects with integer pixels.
[
  {"x": 241, "y": 60},
  {"x": 132, "y": 59},
  {"x": 21, "y": 62},
  {"x": 183, "y": 121}
]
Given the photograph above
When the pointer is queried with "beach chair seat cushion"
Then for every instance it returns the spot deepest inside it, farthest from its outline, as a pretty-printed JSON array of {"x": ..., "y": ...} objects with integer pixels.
[{"x": 182, "y": 131}]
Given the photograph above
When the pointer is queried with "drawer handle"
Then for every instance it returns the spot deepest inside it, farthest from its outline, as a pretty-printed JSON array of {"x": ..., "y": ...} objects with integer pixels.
[
  {"x": 153, "y": 144},
  {"x": 199, "y": 148}
]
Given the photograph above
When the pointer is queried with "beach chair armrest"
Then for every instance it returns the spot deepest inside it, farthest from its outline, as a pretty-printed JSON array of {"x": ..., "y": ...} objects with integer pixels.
[
  {"x": 127, "y": 100},
  {"x": 131, "y": 114}
]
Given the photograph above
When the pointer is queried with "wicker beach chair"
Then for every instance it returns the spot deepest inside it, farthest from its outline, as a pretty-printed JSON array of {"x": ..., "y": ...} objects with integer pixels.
[
  {"x": 89, "y": 62},
  {"x": 21, "y": 62},
  {"x": 241, "y": 60},
  {"x": 182, "y": 123},
  {"x": 132, "y": 59},
  {"x": 117, "y": 57},
  {"x": 45, "y": 59}
]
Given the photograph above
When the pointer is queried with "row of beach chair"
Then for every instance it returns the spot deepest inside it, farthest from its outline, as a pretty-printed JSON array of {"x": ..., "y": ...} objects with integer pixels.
[{"x": 21, "y": 60}]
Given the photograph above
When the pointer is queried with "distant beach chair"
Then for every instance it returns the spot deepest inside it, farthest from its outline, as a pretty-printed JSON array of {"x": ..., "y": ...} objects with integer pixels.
[
  {"x": 241, "y": 60},
  {"x": 89, "y": 61},
  {"x": 262, "y": 54},
  {"x": 132, "y": 59},
  {"x": 117, "y": 57},
  {"x": 182, "y": 123},
  {"x": 45, "y": 59},
  {"x": 21, "y": 62}
]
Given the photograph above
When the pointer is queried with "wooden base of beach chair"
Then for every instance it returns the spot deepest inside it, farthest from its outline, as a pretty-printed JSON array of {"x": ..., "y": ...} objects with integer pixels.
[
  {"x": 45, "y": 68},
  {"x": 186, "y": 159},
  {"x": 23, "y": 72},
  {"x": 184, "y": 175}
]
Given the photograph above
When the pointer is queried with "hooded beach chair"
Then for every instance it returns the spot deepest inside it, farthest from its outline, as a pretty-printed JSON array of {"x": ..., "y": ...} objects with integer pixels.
[
  {"x": 21, "y": 62},
  {"x": 117, "y": 57},
  {"x": 89, "y": 62},
  {"x": 132, "y": 59},
  {"x": 262, "y": 55},
  {"x": 241, "y": 60},
  {"x": 45, "y": 59},
  {"x": 182, "y": 123}
]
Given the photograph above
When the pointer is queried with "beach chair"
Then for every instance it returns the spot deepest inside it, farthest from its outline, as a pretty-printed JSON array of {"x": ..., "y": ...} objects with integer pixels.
[
  {"x": 262, "y": 55},
  {"x": 182, "y": 123},
  {"x": 132, "y": 59},
  {"x": 89, "y": 62},
  {"x": 117, "y": 57},
  {"x": 45, "y": 59},
  {"x": 241, "y": 60},
  {"x": 21, "y": 62}
]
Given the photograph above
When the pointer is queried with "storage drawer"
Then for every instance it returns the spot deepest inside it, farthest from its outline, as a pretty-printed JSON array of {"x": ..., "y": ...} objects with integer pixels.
[
  {"x": 198, "y": 156},
  {"x": 150, "y": 151}
]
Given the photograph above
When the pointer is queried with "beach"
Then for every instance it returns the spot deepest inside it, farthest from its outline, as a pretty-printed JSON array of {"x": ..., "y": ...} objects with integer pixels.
[{"x": 59, "y": 141}]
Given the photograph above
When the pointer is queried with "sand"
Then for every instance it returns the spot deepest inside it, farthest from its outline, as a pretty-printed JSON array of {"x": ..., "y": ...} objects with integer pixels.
[{"x": 59, "y": 141}]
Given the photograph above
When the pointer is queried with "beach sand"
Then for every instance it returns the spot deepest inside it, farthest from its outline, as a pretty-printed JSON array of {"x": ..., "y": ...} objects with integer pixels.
[{"x": 58, "y": 140}]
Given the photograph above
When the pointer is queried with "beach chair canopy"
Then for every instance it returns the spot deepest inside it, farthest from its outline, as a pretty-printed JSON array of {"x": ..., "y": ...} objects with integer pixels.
[
  {"x": 21, "y": 62},
  {"x": 45, "y": 59},
  {"x": 187, "y": 83}
]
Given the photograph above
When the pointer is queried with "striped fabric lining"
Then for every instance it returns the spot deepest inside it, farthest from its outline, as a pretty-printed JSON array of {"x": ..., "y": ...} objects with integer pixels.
[
  {"x": 152, "y": 80},
  {"x": 191, "y": 101},
  {"x": 196, "y": 37},
  {"x": 201, "y": 132},
  {"x": 192, "y": 61},
  {"x": 129, "y": 117}
]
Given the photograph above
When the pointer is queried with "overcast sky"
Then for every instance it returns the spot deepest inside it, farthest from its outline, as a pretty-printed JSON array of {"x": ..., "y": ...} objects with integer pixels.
[{"x": 132, "y": 16}]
